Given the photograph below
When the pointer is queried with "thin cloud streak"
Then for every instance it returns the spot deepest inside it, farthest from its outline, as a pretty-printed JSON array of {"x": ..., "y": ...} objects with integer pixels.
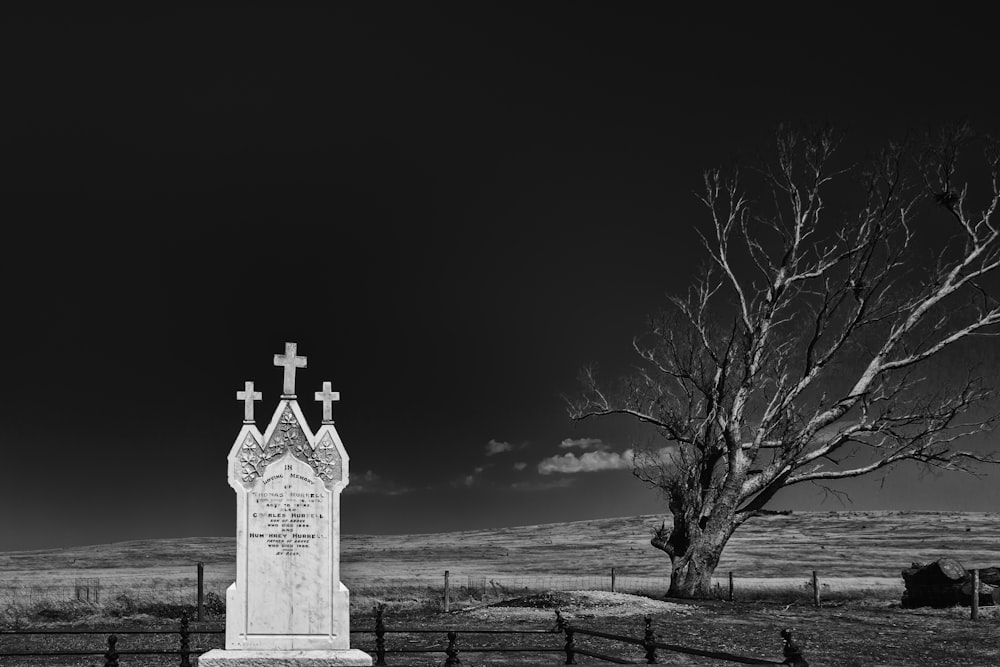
[
  {"x": 595, "y": 461},
  {"x": 585, "y": 444},
  {"x": 373, "y": 483},
  {"x": 587, "y": 462}
]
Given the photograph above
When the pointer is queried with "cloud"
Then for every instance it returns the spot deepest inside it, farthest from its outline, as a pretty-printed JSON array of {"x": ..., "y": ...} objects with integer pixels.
[
  {"x": 586, "y": 462},
  {"x": 494, "y": 447},
  {"x": 520, "y": 465},
  {"x": 584, "y": 444},
  {"x": 371, "y": 482}
]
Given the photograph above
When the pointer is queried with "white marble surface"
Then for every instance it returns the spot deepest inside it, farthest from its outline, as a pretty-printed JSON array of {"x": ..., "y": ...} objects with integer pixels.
[
  {"x": 288, "y": 595},
  {"x": 220, "y": 658},
  {"x": 248, "y": 396},
  {"x": 327, "y": 397},
  {"x": 290, "y": 361}
]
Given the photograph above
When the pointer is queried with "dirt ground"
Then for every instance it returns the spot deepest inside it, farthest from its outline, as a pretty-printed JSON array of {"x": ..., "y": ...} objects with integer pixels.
[{"x": 849, "y": 633}]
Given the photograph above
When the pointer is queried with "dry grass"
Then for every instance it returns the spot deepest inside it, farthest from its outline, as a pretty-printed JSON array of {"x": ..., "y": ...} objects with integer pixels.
[
  {"x": 858, "y": 556},
  {"x": 836, "y": 543}
]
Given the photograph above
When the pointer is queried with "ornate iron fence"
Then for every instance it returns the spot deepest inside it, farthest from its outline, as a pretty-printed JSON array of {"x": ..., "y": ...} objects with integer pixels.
[{"x": 564, "y": 636}]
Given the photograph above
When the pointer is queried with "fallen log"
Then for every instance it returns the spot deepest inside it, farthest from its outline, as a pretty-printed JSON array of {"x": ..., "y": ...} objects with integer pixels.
[
  {"x": 946, "y": 583},
  {"x": 942, "y": 572},
  {"x": 932, "y": 596},
  {"x": 936, "y": 584}
]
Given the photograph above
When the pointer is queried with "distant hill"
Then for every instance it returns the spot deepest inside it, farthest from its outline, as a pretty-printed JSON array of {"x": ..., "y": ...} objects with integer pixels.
[{"x": 837, "y": 543}]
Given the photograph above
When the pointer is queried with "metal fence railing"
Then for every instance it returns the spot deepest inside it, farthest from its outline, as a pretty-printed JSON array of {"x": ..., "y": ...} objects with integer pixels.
[{"x": 488, "y": 640}]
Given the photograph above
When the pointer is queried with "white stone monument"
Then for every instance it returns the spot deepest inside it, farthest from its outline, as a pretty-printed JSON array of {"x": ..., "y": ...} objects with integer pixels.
[{"x": 287, "y": 607}]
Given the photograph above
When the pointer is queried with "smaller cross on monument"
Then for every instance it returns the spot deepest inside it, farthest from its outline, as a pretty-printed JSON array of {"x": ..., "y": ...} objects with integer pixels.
[
  {"x": 327, "y": 397},
  {"x": 290, "y": 362},
  {"x": 248, "y": 396}
]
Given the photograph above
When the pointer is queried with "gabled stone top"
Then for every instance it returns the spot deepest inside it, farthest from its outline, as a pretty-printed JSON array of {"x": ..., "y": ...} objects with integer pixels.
[{"x": 288, "y": 432}]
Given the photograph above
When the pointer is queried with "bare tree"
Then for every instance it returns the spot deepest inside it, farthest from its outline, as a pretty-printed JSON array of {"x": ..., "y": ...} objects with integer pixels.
[{"x": 796, "y": 355}]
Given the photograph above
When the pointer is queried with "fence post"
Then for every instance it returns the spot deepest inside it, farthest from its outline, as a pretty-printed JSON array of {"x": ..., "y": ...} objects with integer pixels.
[
  {"x": 379, "y": 635},
  {"x": 649, "y": 642},
  {"x": 201, "y": 591},
  {"x": 815, "y": 589},
  {"x": 975, "y": 595},
  {"x": 111, "y": 657},
  {"x": 612, "y": 580},
  {"x": 452, "y": 650},
  {"x": 570, "y": 647},
  {"x": 730, "y": 586},
  {"x": 185, "y": 641},
  {"x": 447, "y": 591},
  {"x": 791, "y": 651}
]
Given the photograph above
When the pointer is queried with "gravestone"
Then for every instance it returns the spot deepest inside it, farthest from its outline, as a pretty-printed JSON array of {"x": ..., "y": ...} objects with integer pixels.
[{"x": 287, "y": 606}]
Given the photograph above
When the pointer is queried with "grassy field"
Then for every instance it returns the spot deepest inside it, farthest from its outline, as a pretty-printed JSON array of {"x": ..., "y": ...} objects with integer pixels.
[
  {"x": 866, "y": 549},
  {"x": 858, "y": 556}
]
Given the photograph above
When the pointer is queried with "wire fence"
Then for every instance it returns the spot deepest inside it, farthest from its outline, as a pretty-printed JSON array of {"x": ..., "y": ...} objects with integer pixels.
[
  {"x": 503, "y": 583},
  {"x": 111, "y": 592},
  {"x": 724, "y": 584},
  {"x": 98, "y": 592}
]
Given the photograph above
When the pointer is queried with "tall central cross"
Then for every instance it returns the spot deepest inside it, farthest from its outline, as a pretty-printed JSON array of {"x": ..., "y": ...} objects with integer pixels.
[
  {"x": 327, "y": 397},
  {"x": 290, "y": 362},
  {"x": 248, "y": 396}
]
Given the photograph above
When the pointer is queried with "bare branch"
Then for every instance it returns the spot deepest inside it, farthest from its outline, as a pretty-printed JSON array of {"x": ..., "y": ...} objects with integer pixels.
[{"x": 799, "y": 354}]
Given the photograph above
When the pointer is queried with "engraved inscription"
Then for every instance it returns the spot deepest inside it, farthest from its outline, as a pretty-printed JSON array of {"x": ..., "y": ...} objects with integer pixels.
[
  {"x": 286, "y": 515},
  {"x": 289, "y": 524}
]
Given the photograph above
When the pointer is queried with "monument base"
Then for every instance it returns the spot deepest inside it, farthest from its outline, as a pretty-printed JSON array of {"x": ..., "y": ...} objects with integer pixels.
[{"x": 258, "y": 658}]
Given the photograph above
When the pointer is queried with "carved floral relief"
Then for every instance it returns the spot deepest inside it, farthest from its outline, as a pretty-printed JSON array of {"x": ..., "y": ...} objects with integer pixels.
[{"x": 324, "y": 459}]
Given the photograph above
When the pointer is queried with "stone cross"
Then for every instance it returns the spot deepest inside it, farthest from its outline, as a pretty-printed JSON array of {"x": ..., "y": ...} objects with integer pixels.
[
  {"x": 327, "y": 397},
  {"x": 290, "y": 362},
  {"x": 248, "y": 396}
]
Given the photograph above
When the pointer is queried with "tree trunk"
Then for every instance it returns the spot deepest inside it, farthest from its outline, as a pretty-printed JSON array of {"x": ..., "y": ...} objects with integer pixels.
[
  {"x": 693, "y": 561},
  {"x": 691, "y": 576},
  {"x": 691, "y": 581}
]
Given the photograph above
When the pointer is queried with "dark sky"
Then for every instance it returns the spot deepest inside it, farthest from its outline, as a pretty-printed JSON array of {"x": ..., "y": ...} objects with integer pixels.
[{"x": 450, "y": 208}]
